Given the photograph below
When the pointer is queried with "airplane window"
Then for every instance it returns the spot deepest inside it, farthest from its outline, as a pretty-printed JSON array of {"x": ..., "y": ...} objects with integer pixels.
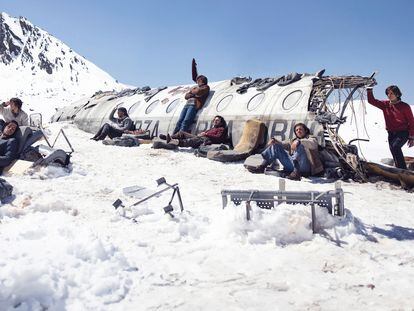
[
  {"x": 134, "y": 107},
  {"x": 224, "y": 103},
  {"x": 152, "y": 106},
  {"x": 255, "y": 101},
  {"x": 292, "y": 100},
  {"x": 173, "y": 105}
]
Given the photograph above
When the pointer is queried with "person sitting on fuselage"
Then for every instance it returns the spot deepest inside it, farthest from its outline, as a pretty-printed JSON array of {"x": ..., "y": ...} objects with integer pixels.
[
  {"x": 117, "y": 127},
  {"x": 216, "y": 135},
  {"x": 196, "y": 98},
  {"x": 8, "y": 144},
  {"x": 299, "y": 157},
  {"x": 12, "y": 110}
]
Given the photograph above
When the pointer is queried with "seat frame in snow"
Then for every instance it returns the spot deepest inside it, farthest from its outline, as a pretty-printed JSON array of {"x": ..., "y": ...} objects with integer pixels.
[
  {"x": 27, "y": 136},
  {"x": 52, "y": 155},
  {"x": 332, "y": 200}
]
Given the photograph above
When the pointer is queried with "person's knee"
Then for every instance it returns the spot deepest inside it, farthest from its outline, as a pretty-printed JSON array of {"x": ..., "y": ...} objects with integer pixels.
[{"x": 277, "y": 147}]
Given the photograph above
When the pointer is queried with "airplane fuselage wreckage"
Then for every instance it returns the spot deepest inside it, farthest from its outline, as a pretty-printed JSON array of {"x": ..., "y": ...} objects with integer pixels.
[{"x": 314, "y": 99}]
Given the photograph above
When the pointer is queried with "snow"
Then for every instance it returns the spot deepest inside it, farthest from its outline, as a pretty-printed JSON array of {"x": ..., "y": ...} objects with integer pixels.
[
  {"x": 72, "y": 76},
  {"x": 65, "y": 247}
]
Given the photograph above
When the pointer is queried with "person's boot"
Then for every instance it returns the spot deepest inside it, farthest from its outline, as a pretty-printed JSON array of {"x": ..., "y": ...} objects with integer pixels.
[
  {"x": 162, "y": 136},
  {"x": 295, "y": 175},
  {"x": 257, "y": 169},
  {"x": 168, "y": 138}
]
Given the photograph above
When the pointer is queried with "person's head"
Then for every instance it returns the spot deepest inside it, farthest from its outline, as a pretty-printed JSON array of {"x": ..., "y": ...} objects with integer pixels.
[
  {"x": 10, "y": 128},
  {"x": 201, "y": 80},
  {"x": 393, "y": 92},
  {"x": 219, "y": 121},
  {"x": 122, "y": 112},
  {"x": 301, "y": 130},
  {"x": 15, "y": 105}
]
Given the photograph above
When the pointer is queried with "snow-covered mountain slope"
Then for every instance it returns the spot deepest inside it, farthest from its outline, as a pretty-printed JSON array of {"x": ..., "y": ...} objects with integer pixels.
[{"x": 42, "y": 70}]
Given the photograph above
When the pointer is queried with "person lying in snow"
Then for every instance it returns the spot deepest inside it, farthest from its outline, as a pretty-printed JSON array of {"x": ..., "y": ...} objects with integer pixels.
[
  {"x": 216, "y": 135},
  {"x": 115, "y": 128},
  {"x": 8, "y": 144},
  {"x": 299, "y": 157},
  {"x": 196, "y": 98}
]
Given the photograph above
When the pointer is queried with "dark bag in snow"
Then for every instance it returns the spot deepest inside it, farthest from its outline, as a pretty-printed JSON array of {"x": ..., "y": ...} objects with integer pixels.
[
  {"x": 123, "y": 141},
  {"x": 6, "y": 189},
  {"x": 203, "y": 149}
]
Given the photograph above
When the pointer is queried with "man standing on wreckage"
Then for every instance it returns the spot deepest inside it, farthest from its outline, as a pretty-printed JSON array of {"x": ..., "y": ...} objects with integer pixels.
[
  {"x": 196, "y": 98},
  {"x": 399, "y": 122}
]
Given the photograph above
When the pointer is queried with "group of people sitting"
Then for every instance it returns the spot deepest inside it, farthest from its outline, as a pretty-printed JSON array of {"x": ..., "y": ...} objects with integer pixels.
[
  {"x": 299, "y": 156},
  {"x": 13, "y": 117},
  {"x": 195, "y": 100}
]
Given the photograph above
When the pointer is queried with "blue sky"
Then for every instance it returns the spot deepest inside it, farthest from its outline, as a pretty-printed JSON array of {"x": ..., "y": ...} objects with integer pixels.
[{"x": 152, "y": 42}]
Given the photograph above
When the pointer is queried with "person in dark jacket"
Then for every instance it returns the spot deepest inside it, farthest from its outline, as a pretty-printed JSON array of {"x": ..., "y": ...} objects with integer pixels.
[
  {"x": 196, "y": 98},
  {"x": 216, "y": 135},
  {"x": 9, "y": 145},
  {"x": 116, "y": 127},
  {"x": 399, "y": 122}
]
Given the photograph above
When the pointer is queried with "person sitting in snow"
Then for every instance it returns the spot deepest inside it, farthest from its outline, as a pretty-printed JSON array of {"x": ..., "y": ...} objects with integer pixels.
[
  {"x": 12, "y": 111},
  {"x": 196, "y": 98},
  {"x": 216, "y": 135},
  {"x": 116, "y": 127},
  {"x": 399, "y": 122},
  {"x": 299, "y": 157},
  {"x": 9, "y": 145}
]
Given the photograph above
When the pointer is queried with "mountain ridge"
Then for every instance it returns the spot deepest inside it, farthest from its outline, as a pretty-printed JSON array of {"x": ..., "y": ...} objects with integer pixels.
[{"x": 36, "y": 66}]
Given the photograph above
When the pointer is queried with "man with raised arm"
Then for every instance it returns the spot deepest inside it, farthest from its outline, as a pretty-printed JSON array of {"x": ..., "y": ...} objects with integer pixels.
[
  {"x": 196, "y": 98},
  {"x": 12, "y": 110},
  {"x": 399, "y": 122}
]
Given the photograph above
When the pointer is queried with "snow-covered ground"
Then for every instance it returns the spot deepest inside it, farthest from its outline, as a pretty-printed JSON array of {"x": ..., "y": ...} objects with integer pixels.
[{"x": 63, "y": 246}]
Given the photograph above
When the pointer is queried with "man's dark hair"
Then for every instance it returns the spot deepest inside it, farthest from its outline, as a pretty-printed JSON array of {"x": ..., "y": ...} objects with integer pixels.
[
  {"x": 17, "y": 101},
  {"x": 17, "y": 126},
  {"x": 395, "y": 89},
  {"x": 223, "y": 122},
  {"x": 203, "y": 78},
  {"x": 307, "y": 130},
  {"x": 123, "y": 110}
]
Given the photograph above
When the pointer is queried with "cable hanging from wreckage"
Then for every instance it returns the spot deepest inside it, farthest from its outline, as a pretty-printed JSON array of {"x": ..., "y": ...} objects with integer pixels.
[{"x": 331, "y": 120}]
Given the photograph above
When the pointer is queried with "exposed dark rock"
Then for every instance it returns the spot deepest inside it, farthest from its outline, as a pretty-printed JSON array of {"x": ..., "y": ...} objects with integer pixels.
[
  {"x": 45, "y": 64},
  {"x": 10, "y": 43}
]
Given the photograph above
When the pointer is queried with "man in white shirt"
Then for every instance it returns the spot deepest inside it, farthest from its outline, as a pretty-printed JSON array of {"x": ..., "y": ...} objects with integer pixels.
[{"x": 12, "y": 111}]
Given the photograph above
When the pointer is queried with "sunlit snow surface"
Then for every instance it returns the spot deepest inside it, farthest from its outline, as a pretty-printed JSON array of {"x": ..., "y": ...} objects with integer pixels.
[{"x": 63, "y": 246}]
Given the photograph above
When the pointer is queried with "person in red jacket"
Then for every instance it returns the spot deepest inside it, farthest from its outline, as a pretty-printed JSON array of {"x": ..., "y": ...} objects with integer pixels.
[
  {"x": 399, "y": 122},
  {"x": 216, "y": 135}
]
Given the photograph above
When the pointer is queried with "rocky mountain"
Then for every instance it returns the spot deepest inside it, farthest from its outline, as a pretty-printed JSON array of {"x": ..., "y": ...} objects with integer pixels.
[{"x": 37, "y": 67}]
